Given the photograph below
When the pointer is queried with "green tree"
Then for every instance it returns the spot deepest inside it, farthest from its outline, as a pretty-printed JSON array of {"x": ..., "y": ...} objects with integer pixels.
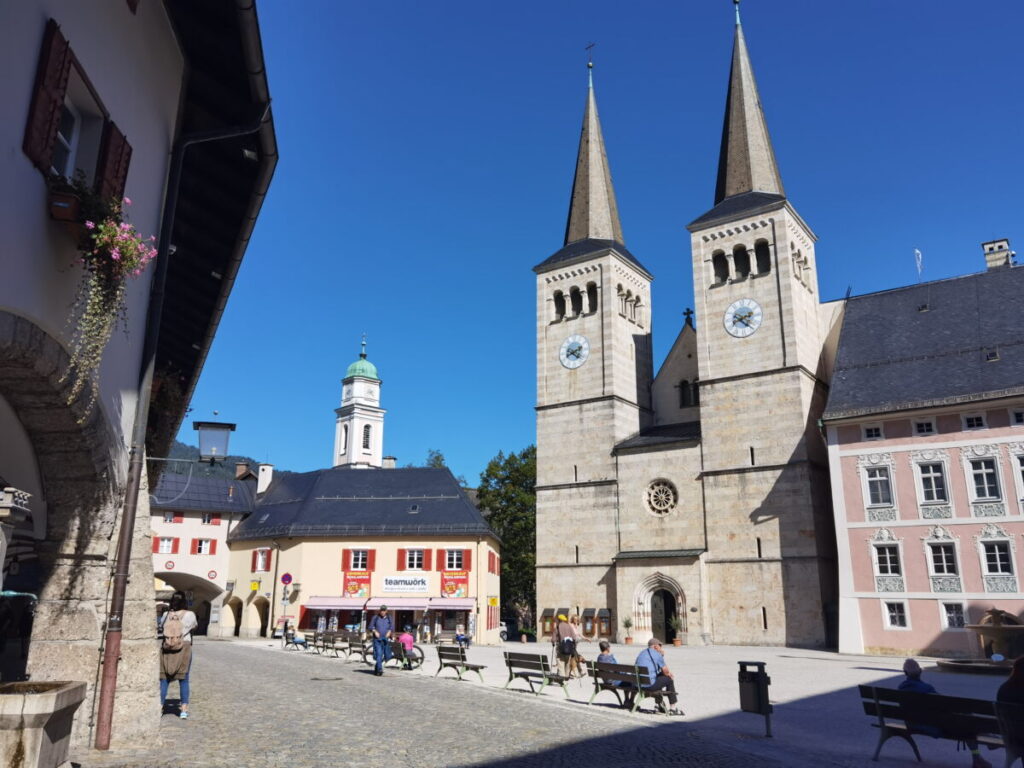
[
  {"x": 436, "y": 460},
  {"x": 506, "y": 492}
]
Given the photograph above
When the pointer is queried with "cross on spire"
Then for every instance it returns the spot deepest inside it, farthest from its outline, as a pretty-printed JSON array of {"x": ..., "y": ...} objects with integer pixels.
[{"x": 737, "y": 4}]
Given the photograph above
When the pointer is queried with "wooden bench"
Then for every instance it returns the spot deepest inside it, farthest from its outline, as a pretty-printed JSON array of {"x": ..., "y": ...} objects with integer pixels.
[
  {"x": 335, "y": 642},
  {"x": 904, "y": 713},
  {"x": 455, "y": 658},
  {"x": 622, "y": 677},
  {"x": 530, "y": 667}
]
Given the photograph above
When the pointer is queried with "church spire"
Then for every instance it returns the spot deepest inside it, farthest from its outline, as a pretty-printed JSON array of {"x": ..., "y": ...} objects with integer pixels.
[
  {"x": 593, "y": 213},
  {"x": 747, "y": 161}
]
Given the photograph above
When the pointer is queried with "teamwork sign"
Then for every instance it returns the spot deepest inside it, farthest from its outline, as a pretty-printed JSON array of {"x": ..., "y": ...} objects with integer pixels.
[
  {"x": 454, "y": 583},
  {"x": 357, "y": 584},
  {"x": 415, "y": 584}
]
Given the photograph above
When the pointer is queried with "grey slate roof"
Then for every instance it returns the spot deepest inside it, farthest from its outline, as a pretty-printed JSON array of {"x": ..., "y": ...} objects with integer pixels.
[
  {"x": 662, "y": 434},
  {"x": 893, "y": 357},
  {"x": 654, "y": 553},
  {"x": 583, "y": 249},
  {"x": 746, "y": 204},
  {"x": 206, "y": 494},
  {"x": 355, "y": 502}
]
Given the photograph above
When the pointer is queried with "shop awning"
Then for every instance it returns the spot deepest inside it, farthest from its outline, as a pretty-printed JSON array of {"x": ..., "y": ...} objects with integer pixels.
[
  {"x": 335, "y": 603},
  {"x": 563, "y": 612},
  {"x": 588, "y": 612},
  {"x": 397, "y": 603},
  {"x": 604, "y": 613},
  {"x": 452, "y": 603},
  {"x": 547, "y": 612}
]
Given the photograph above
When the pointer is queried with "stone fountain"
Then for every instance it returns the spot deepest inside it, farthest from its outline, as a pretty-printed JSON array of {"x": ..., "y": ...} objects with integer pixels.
[{"x": 1002, "y": 640}]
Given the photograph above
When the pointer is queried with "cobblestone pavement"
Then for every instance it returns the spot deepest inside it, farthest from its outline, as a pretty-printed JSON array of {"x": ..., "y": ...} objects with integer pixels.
[{"x": 254, "y": 706}]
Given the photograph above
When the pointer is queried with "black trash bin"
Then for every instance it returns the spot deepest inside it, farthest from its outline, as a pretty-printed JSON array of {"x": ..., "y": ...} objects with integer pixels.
[{"x": 754, "y": 682}]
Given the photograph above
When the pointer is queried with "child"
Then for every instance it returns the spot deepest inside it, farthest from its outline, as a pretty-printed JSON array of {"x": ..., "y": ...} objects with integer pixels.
[{"x": 406, "y": 639}]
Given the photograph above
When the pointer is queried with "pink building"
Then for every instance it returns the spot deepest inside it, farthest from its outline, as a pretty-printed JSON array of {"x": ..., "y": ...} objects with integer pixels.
[{"x": 925, "y": 430}]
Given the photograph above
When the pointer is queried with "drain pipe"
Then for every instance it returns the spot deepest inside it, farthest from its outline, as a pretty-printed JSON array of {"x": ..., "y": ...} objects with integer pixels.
[{"x": 112, "y": 640}]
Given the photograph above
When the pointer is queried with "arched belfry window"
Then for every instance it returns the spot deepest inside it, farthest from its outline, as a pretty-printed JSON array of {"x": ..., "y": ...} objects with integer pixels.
[
  {"x": 721, "y": 267},
  {"x": 344, "y": 438},
  {"x": 762, "y": 257},
  {"x": 366, "y": 437},
  {"x": 591, "y": 297},
  {"x": 576, "y": 300},
  {"x": 622, "y": 299},
  {"x": 741, "y": 261},
  {"x": 559, "y": 306}
]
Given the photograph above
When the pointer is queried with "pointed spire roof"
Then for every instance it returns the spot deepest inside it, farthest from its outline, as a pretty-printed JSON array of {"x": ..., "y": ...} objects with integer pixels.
[
  {"x": 593, "y": 212},
  {"x": 747, "y": 161}
]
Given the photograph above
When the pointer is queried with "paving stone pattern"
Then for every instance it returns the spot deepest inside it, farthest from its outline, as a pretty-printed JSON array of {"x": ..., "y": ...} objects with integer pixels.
[{"x": 267, "y": 707}]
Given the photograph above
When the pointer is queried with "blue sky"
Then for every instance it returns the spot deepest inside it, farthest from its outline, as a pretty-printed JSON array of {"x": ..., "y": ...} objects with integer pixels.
[{"x": 427, "y": 153}]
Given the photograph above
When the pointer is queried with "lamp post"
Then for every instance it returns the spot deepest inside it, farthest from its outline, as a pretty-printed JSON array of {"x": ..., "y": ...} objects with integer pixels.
[{"x": 213, "y": 439}]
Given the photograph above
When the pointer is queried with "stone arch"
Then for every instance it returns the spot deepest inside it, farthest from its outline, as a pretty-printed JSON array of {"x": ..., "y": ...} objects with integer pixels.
[
  {"x": 576, "y": 301},
  {"x": 642, "y": 598},
  {"x": 762, "y": 256},
  {"x": 231, "y": 617},
  {"x": 74, "y": 451},
  {"x": 591, "y": 297},
  {"x": 559, "y": 299},
  {"x": 741, "y": 261},
  {"x": 720, "y": 267},
  {"x": 202, "y": 593},
  {"x": 259, "y": 617}
]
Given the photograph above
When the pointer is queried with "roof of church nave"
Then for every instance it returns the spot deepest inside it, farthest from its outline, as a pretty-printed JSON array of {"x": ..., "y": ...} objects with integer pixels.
[
  {"x": 662, "y": 435},
  {"x": 927, "y": 345}
]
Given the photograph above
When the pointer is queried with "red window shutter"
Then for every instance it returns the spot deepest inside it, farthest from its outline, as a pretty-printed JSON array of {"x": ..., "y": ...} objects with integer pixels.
[
  {"x": 467, "y": 559},
  {"x": 156, "y": 544},
  {"x": 213, "y": 546},
  {"x": 371, "y": 559},
  {"x": 270, "y": 554},
  {"x": 215, "y": 520},
  {"x": 194, "y": 547},
  {"x": 174, "y": 545},
  {"x": 498, "y": 571},
  {"x": 112, "y": 169},
  {"x": 178, "y": 518},
  {"x": 426, "y": 559},
  {"x": 47, "y": 97},
  {"x": 440, "y": 560},
  {"x": 401, "y": 559},
  {"x": 346, "y": 560},
  {"x": 252, "y": 565}
]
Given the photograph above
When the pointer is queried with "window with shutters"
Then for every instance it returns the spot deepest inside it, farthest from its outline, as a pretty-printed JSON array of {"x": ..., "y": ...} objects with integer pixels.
[
  {"x": 207, "y": 518},
  {"x": 204, "y": 547},
  {"x": 166, "y": 545},
  {"x": 262, "y": 560},
  {"x": 414, "y": 559},
  {"x": 453, "y": 560},
  {"x": 168, "y": 516},
  {"x": 360, "y": 561}
]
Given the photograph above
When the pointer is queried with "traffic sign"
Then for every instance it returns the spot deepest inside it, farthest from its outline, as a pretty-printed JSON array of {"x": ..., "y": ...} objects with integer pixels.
[{"x": 286, "y": 579}]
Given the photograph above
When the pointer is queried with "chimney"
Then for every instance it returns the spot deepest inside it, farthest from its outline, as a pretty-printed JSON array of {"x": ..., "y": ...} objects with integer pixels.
[
  {"x": 241, "y": 468},
  {"x": 266, "y": 474},
  {"x": 998, "y": 253},
  {"x": 388, "y": 462}
]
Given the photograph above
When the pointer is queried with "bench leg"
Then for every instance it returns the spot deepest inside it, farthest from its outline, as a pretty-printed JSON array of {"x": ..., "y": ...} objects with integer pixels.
[
  {"x": 886, "y": 734},
  {"x": 511, "y": 677},
  {"x": 479, "y": 674},
  {"x": 565, "y": 688}
]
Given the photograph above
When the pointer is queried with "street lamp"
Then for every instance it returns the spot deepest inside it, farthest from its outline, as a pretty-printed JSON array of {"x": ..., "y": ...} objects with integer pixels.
[{"x": 213, "y": 439}]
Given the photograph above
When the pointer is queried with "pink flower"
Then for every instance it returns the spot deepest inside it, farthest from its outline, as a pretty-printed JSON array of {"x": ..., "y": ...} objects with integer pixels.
[
  {"x": 152, "y": 238},
  {"x": 115, "y": 255},
  {"x": 127, "y": 201},
  {"x": 90, "y": 225}
]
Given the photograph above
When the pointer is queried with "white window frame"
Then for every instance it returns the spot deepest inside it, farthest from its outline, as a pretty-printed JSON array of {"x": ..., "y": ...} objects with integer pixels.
[
  {"x": 166, "y": 546},
  {"x": 1017, "y": 462},
  {"x": 977, "y": 415},
  {"x": 876, "y": 547},
  {"x": 929, "y": 551},
  {"x": 877, "y": 425},
  {"x": 867, "y": 486},
  {"x": 944, "y": 617},
  {"x": 414, "y": 559},
  {"x": 929, "y": 423},
  {"x": 207, "y": 518},
  {"x": 921, "y": 491},
  {"x": 70, "y": 143},
  {"x": 359, "y": 559},
  {"x": 883, "y": 603},
  {"x": 453, "y": 560},
  {"x": 1016, "y": 417},
  {"x": 262, "y": 560},
  {"x": 203, "y": 546},
  {"x": 984, "y": 556},
  {"x": 972, "y": 486},
  {"x": 168, "y": 515}
]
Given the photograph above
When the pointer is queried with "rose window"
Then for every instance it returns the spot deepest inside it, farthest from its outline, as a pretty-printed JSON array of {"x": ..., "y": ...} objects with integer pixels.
[{"x": 661, "y": 497}]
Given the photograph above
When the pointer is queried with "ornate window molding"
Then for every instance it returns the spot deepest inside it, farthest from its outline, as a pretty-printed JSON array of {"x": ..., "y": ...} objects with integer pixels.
[
  {"x": 984, "y": 507},
  {"x": 931, "y": 509},
  {"x": 945, "y": 580},
  {"x": 1017, "y": 467},
  {"x": 997, "y": 581},
  {"x": 888, "y": 571},
  {"x": 878, "y": 513},
  {"x": 661, "y": 497}
]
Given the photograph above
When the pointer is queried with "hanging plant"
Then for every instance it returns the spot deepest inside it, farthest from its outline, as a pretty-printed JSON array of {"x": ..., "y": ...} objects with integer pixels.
[{"x": 112, "y": 251}]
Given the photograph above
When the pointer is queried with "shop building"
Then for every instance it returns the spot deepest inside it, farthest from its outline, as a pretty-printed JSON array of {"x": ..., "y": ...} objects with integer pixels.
[{"x": 925, "y": 426}]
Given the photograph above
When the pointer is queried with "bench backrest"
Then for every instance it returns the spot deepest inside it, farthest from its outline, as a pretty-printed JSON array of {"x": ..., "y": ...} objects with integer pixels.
[
  {"x": 530, "y": 662},
  {"x": 956, "y": 717},
  {"x": 1011, "y": 721},
  {"x": 602, "y": 672},
  {"x": 451, "y": 654}
]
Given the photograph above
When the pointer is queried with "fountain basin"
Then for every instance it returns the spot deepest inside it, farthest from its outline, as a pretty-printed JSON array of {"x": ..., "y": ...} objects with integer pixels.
[{"x": 35, "y": 722}]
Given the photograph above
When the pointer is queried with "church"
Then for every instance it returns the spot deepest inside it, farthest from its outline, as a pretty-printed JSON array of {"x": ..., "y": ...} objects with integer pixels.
[{"x": 691, "y": 502}]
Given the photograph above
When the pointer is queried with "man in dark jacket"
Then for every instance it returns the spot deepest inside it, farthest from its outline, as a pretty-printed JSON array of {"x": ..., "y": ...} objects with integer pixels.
[{"x": 381, "y": 629}]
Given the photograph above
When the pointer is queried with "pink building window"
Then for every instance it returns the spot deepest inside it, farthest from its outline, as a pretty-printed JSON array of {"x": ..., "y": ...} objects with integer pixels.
[
  {"x": 879, "y": 486},
  {"x": 986, "y": 481}
]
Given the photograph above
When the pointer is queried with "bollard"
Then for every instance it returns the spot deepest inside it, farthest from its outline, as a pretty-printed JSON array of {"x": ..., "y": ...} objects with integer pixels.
[{"x": 754, "y": 682}]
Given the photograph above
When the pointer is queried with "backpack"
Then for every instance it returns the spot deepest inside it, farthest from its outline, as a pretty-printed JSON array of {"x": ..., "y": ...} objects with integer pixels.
[
  {"x": 567, "y": 646},
  {"x": 174, "y": 632}
]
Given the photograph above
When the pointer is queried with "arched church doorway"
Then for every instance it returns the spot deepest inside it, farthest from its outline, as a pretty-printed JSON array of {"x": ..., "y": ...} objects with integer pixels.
[{"x": 663, "y": 612}]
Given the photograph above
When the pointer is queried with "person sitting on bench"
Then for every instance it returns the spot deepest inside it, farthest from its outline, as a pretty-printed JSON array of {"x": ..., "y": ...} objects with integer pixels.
[
  {"x": 913, "y": 682},
  {"x": 658, "y": 677}
]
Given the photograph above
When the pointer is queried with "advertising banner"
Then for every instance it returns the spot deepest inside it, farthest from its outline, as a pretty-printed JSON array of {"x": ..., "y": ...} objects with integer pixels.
[
  {"x": 454, "y": 583},
  {"x": 414, "y": 584},
  {"x": 357, "y": 584}
]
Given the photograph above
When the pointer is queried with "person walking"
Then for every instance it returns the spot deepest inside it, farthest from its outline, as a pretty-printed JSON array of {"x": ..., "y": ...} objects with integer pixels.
[
  {"x": 576, "y": 662},
  {"x": 176, "y": 628},
  {"x": 658, "y": 676},
  {"x": 564, "y": 641},
  {"x": 381, "y": 629},
  {"x": 1012, "y": 691}
]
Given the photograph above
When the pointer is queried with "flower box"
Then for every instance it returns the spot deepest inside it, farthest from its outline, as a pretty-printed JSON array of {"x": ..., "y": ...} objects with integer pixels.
[
  {"x": 65, "y": 206},
  {"x": 35, "y": 722}
]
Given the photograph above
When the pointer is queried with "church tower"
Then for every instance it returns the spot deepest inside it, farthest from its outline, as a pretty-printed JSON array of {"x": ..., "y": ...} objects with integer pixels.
[
  {"x": 593, "y": 380},
  {"x": 359, "y": 423},
  {"x": 759, "y": 343}
]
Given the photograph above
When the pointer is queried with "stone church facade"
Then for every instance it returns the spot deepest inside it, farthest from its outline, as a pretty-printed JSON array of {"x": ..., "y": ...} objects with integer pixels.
[{"x": 698, "y": 492}]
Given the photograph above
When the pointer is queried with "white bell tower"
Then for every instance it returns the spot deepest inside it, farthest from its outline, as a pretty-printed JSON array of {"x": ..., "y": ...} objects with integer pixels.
[{"x": 359, "y": 426}]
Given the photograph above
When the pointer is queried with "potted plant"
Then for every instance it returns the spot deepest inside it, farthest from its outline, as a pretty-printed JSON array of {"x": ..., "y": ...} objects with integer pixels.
[
  {"x": 676, "y": 622},
  {"x": 35, "y": 722},
  {"x": 73, "y": 202},
  {"x": 627, "y": 624}
]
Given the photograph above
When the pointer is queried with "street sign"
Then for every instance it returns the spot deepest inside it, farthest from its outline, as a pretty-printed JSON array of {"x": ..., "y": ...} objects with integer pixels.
[{"x": 286, "y": 579}]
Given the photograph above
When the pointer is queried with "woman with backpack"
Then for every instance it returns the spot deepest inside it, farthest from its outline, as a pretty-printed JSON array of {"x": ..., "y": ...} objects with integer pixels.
[
  {"x": 564, "y": 641},
  {"x": 176, "y": 650}
]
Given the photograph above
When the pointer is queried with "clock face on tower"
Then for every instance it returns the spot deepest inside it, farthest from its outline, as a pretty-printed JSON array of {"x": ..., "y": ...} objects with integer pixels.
[
  {"x": 742, "y": 318},
  {"x": 574, "y": 351}
]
